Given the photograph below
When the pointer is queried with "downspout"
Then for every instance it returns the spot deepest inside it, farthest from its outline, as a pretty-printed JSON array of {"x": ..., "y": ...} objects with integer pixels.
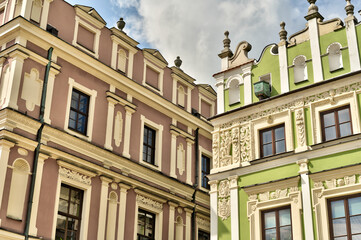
[
  {"x": 37, "y": 149},
  {"x": 195, "y": 186}
]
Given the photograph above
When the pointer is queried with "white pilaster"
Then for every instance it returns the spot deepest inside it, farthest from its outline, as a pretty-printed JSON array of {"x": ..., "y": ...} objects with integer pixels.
[
  {"x": 173, "y": 153},
  {"x": 49, "y": 93},
  {"x": 26, "y": 9},
  {"x": 188, "y": 223},
  {"x": 34, "y": 210},
  {"x": 189, "y": 160},
  {"x": 352, "y": 43},
  {"x": 282, "y": 56},
  {"x": 220, "y": 94},
  {"x": 247, "y": 78},
  {"x": 103, "y": 207},
  {"x": 45, "y": 14},
  {"x": 110, "y": 121},
  {"x": 122, "y": 208},
  {"x": 113, "y": 62},
  {"x": 214, "y": 207},
  {"x": 306, "y": 199},
  {"x": 189, "y": 100},
  {"x": 130, "y": 64},
  {"x": 4, "y": 158},
  {"x": 128, "y": 121},
  {"x": 234, "y": 207},
  {"x": 174, "y": 91},
  {"x": 172, "y": 207},
  {"x": 315, "y": 50}
]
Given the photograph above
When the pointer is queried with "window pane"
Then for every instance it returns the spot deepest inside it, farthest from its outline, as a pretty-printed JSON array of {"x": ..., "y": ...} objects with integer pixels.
[
  {"x": 339, "y": 227},
  {"x": 63, "y": 205},
  {"x": 341, "y": 238},
  {"x": 83, "y": 104},
  {"x": 356, "y": 237},
  {"x": 284, "y": 217},
  {"x": 267, "y": 150},
  {"x": 267, "y": 137},
  {"x": 355, "y": 224},
  {"x": 344, "y": 115},
  {"x": 280, "y": 146},
  {"x": 280, "y": 133},
  {"x": 286, "y": 233},
  {"x": 329, "y": 119},
  {"x": 338, "y": 209},
  {"x": 60, "y": 222},
  {"x": 270, "y": 234},
  {"x": 330, "y": 133},
  {"x": 345, "y": 129},
  {"x": 60, "y": 234},
  {"x": 270, "y": 219},
  {"x": 354, "y": 205}
]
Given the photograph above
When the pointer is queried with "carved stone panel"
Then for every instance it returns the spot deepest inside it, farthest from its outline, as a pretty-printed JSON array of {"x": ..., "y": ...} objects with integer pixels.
[{"x": 73, "y": 175}]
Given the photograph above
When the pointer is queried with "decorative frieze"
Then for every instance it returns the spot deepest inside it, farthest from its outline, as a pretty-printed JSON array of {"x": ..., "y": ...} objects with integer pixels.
[
  {"x": 336, "y": 182},
  {"x": 245, "y": 144},
  {"x": 73, "y": 175},
  {"x": 149, "y": 202},
  {"x": 224, "y": 189},
  {"x": 203, "y": 223}
]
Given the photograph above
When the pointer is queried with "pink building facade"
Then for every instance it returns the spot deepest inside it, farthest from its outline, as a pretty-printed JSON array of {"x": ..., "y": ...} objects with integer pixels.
[{"x": 99, "y": 139}]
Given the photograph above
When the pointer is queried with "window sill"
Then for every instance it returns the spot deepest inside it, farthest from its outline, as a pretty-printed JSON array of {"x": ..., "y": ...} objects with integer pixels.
[
  {"x": 302, "y": 81},
  {"x": 336, "y": 70},
  {"x": 77, "y": 134},
  {"x": 149, "y": 165}
]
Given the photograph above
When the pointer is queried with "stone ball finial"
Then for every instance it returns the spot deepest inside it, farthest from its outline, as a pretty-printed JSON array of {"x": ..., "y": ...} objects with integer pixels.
[
  {"x": 283, "y": 32},
  {"x": 349, "y": 8},
  {"x": 121, "y": 24},
  {"x": 178, "y": 62}
]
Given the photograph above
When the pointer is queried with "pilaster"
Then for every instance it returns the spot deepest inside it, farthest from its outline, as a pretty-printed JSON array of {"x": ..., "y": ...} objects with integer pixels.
[
  {"x": 128, "y": 121},
  {"x": 103, "y": 207},
  {"x": 352, "y": 43},
  {"x": 172, "y": 207},
  {"x": 220, "y": 94},
  {"x": 110, "y": 121},
  {"x": 189, "y": 160},
  {"x": 122, "y": 209},
  {"x": 214, "y": 209},
  {"x": 282, "y": 56},
  {"x": 189, "y": 100},
  {"x": 188, "y": 223},
  {"x": 173, "y": 153},
  {"x": 26, "y": 9},
  {"x": 45, "y": 14},
  {"x": 233, "y": 186},
  {"x": 49, "y": 93},
  {"x": 130, "y": 64}
]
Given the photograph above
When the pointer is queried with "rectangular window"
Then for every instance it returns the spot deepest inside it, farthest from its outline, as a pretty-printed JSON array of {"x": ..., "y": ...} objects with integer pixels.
[
  {"x": 79, "y": 108},
  {"x": 152, "y": 77},
  {"x": 69, "y": 213},
  {"x": 273, "y": 140},
  {"x": 205, "y": 171},
  {"x": 149, "y": 145},
  {"x": 345, "y": 217},
  {"x": 86, "y": 38},
  {"x": 276, "y": 224},
  {"x": 336, "y": 123},
  {"x": 146, "y": 225},
  {"x": 203, "y": 235}
]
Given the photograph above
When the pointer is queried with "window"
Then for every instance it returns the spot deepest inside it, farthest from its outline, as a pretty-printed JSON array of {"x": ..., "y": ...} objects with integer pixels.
[
  {"x": 345, "y": 217},
  {"x": 273, "y": 140},
  {"x": 146, "y": 225},
  {"x": 234, "y": 92},
  {"x": 181, "y": 96},
  {"x": 205, "y": 171},
  {"x": 122, "y": 60},
  {"x": 69, "y": 213},
  {"x": 300, "y": 69},
  {"x": 203, "y": 235},
  {"x": 149, "y": 145},
  {"x": 79, "y": 108},
  {"x": 336, "y": 123},
  {"x": 276, "y": 224},
  {"x": 334, "y": 56}
]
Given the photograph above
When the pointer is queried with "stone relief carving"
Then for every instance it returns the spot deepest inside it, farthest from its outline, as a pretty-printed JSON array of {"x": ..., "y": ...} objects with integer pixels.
[
  {"x": 224, "y": 208},
  {"x": 203, "y": 223},
  {"x": 235, "y": 145},
  {"x": 272, "y": 195},
  {"x": 224, "y": 189},
  {"x": 73, "y": 175},
  {"x": 118, "y": 129},
  {"x": 215, "y": 148},
  {"x": 225, "y": 144},
  {"x": 149, "y": 202},
  {"x": 245, "y": 142},
  {"x": 300, "y": 123},
  {"x": 336, "y": 182}
]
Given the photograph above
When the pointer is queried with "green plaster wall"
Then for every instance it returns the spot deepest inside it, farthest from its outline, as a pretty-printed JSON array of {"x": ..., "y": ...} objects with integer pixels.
[
  {"x": 228, "y": 107},
  {"x": 294, "y": 51},
  {"x": 325, "y": 40},
  {"x": 358, "y": 35},
  {"x": 224, "y": 229},
  {"x": 269, "y": 63}
]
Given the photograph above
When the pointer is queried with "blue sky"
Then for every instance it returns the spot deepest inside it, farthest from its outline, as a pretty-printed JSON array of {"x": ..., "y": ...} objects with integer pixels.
[{"x": 193, "y": 29}]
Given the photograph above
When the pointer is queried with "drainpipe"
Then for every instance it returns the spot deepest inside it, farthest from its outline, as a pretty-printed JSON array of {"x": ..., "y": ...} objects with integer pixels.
[
  {"x": 195, "y": 186},
  {"x": 37, "y": 149}
]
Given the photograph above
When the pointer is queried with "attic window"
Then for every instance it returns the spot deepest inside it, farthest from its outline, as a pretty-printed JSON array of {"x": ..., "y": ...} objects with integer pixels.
[
  {"x": 234, "y": 92},
  {"x": 334, "y": 56},
  {"x": 300, "y": 69},
  {"x": 153, "y": 76},
  {"x": 86, "y": 38}
]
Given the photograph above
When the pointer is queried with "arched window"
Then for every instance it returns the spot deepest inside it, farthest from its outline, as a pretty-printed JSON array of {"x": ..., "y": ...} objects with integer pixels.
[
  {"x": 112, "y": 214},
  {"x": 19, "y": 183},
  {"x": 122, "y": 60},
  {"x": 234, "y": 92},
  {"x": 181, "y": 96},
  {"x": 300, "y": 69},
  {"x": 334, "y": 56},
  {"x": 179, "y": 229}
]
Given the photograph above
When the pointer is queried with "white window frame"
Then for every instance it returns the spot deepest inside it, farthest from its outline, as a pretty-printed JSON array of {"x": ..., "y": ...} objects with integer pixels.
[
  {"x": 90, "y": 28},
  {"x": 203, "y": 224},
  {"x": 122, "y": 55},
  {"x": 239, "y": 80},
  {"x": 158, "y": 142},
  {"x": 339, "y": 56},
  {"x": 203, "y": 151},
  {"x": 201, "y": 97},
  {"x": 333, "y": 103},
  {"x": 326, "y": 187},
  {"x": 160, "y": 76},
  {"x": 92, "y": 95},
  {"x": 271, "y": 121}
]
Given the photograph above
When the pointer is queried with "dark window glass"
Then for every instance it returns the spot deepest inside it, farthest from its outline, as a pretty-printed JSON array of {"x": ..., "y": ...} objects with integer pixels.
[
  {"x": 149, "y": 145},
  {"x": 276, "y": 224},
  {"x": 146, "y": 225},
  {"x": 345, "y": 217},
  {"x": 78, "y": 117},
  {"x": 336, "y": 123},
  {"x": 203, "y": 235},
  {"x": 273, "y": 140},
  {"x": 69, "y": 213},
  {"x": 205, "y": 171}
]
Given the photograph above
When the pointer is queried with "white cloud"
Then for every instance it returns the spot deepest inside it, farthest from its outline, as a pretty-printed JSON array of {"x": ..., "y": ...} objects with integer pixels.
[{"x": 193, "y": 29}]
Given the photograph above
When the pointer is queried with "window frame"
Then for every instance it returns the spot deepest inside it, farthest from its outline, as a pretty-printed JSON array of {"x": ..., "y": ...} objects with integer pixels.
[
  {"x": 276, "y": 210},
  {"x": 337, "y": 123},
  {"x": 148, "y": 146},
  {"x": 159, "y": 70},
  {"x": 203, "y": 151},
  {"x": 273, "y": 128},
  {"x": 78, "y": 112},
  {"x": 153, "y": 225},
  {"x": 203, "y": 177}
]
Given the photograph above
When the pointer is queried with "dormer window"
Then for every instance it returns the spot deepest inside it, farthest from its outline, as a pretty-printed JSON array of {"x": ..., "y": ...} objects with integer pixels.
[
  {"x": 234, "y": 92},
  {"x": 181, "y": 96},
  {"x": 300, "y": 69},
  {"x": 334, "y": 56},
  {"x": 122, "y": 60}
]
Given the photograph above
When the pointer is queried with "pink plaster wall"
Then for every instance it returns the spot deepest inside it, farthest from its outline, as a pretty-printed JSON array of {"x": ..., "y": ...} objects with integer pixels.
[
  {"x": 167, "y": 84},
  {"x": 151, "y": 77},
  {"x": 165, "y": 221},
  {"x": 94, "y": 208},
  {"x": 205, "y": 109},
  {"x": 37, "y": 49},
  {"x": 195, "y": 98}
]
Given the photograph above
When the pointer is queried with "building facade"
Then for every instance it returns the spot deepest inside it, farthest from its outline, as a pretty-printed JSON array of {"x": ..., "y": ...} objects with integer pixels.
[
  {"x": 100, "y": 139},
  {"x": 286, "y": 143}
]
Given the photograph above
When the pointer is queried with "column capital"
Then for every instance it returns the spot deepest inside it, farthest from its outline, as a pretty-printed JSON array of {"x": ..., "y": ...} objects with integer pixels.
[
  {"x": 6, "y": 143},
  {"x": 112, "y": 100},
  {"x": 129, "y": 110},
  {"x": 172, "y": 204},
  {"x": 303, "y": 163},
  {"x": 18, "y": 55},
  {"x": 233, "y": 182},
  {"x": 190, "y": 141},
  {"x": 174, "y": 133},
  {"x": 105, "y": 180},
  {"x": 188, "y": 211},
  {"x": 124, "y": 187},
  {"x": 43, "y": 157},
  {"x": 214, "y": 186}
]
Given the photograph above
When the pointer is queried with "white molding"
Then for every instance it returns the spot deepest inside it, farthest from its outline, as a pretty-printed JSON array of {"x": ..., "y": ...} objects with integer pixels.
[
  {"x": 220, "y": 94},
  {"x": 189, "y": 161},
  {"x": 92, "y": 95},
  {"x": 236, "y": 77},
  {"x": 235, "y": 229},
  {"x": 282, "y": 56},
  {"x": 352, "y": 44},
  {"x": 248, "y": 87},
  {"x": 122, "y": 210},
  {"x": 172, "y": 207},
  {"x": 45, "y": 14},
  {"x": 173, "y": 152},
  {"x": 315, "y": 50},
  {"x": 49, "y": 93},
  {"x": 102, "y": 218},
  {"x": 127, "y": 127},
  {"x": 160, "y": 72},
  {"x": 158, "y": 142},
  {"x": 110, "y": 124}
]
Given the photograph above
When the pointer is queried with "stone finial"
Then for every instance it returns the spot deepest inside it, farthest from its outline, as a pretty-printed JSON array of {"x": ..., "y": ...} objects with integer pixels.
[
  {"x": 283, "y": 32},
  {"x": 349, "y": 8},
  {"x": 226, "y": 52},
  {"x": 121, "y": 24},
  {"x": 312, "y": 8},
  {"x": 178, "y": 62}
]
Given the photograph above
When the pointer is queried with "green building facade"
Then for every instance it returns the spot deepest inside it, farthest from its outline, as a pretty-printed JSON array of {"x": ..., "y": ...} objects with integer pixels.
[{"x": 287, "y": 136}]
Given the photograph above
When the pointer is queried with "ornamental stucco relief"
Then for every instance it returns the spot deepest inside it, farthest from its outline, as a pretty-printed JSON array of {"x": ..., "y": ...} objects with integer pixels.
[
  {"x": 300, "y": 123},
  {"x": 336, "y": 182},
  {"x": 149, "y": 202},
  {"x": 224, "y": 203},
  {"x": 73, "y": 175}
]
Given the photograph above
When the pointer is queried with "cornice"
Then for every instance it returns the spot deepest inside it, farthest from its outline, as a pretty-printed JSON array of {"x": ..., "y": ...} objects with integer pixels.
[
  {"x": 86, "y": 16},
  {"x": 123, "y": 39},
  {"x": 148, "y": 56}
]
